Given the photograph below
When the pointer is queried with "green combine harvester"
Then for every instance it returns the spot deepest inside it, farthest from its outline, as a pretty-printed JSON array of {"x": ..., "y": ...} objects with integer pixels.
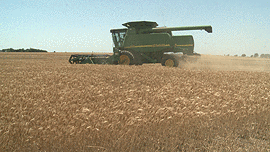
[{"x": 144, "y": 42}]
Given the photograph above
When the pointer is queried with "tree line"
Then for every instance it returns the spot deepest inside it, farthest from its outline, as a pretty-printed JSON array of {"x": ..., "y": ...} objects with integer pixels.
[
  {"x": 255, "y": 55},
  {"x": 265, "y": 55},
  {"x": 22, "y": 50},
  {"x": 262, "y": 55}
]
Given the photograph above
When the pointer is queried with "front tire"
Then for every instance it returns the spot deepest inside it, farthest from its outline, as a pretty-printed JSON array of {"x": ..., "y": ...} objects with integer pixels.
[{"x": 126, "y": 58}]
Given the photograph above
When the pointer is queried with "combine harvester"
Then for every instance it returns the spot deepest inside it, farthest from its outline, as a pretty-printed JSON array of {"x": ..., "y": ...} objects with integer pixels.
[{"x": 144, "y": 42}]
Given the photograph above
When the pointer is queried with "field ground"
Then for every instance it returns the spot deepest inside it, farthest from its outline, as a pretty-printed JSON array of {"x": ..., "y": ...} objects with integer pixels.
[{"x": 215, "y": 104}]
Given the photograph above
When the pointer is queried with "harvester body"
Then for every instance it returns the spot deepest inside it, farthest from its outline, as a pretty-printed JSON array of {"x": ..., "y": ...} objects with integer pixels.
[{"x": 144, "y": 42}]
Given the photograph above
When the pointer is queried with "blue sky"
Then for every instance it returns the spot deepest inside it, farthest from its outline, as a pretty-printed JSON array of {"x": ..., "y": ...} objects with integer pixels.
[{"x": 239, "y": 26}]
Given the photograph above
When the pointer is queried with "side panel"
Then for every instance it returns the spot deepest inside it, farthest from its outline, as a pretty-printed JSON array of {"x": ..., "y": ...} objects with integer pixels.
[
  {"x": 183, "y": 44},
  {"x": 148, "y": 42}
]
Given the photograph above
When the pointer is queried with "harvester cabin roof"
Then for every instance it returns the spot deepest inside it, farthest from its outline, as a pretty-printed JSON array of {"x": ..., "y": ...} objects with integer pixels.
[
  {"x": 140, "y": 24},
  {"x": 118, "y": 30}
]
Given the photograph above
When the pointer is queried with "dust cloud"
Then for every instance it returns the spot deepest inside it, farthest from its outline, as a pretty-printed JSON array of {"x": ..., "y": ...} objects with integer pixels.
[{"x": 226, "y": 63}]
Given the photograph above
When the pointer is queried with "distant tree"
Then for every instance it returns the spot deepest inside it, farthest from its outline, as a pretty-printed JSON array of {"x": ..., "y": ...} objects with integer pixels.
[
  {"x": 8, "y": 50},
  {"x": 236, "y": 55},
  {"x": 265, "y": 56},
  {"x": 20, "y": 50},
  {"x": 228, "y": 54},
  {"x": 251, "y": 56},
  {"x": 256, "y": 55},
  {"x": 243, "y": 55}
]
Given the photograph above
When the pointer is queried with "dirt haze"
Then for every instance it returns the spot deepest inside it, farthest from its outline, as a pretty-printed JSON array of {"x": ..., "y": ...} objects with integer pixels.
[{"x": 227, "y": 63}]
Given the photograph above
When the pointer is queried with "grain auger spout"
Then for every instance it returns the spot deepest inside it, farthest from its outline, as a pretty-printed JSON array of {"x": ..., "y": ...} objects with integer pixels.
[
  {"x": 143, "y": 42},
  {"x": 207, "y": 28}
]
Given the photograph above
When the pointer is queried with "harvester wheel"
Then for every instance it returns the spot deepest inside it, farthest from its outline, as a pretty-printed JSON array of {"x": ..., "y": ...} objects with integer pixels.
[
  {"x": 126, "y": 58},
  {"x": 170, "y": 61}
]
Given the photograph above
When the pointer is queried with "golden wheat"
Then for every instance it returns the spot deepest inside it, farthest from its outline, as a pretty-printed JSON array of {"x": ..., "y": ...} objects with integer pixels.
[{"x": 48, "y": 104}]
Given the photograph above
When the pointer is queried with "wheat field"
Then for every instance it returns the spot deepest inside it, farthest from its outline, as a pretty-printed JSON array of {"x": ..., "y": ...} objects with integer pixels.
[{"x": 217, "y": 103}]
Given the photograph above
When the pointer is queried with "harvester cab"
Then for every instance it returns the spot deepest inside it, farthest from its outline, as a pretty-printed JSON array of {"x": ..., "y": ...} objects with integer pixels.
[
  {"x": 143, "y": 42},
  {"x": 118, "y": 37}
]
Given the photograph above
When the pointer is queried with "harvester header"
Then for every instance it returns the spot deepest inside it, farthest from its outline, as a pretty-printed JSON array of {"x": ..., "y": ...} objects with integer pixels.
[{"x": 143, "y": 42}]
